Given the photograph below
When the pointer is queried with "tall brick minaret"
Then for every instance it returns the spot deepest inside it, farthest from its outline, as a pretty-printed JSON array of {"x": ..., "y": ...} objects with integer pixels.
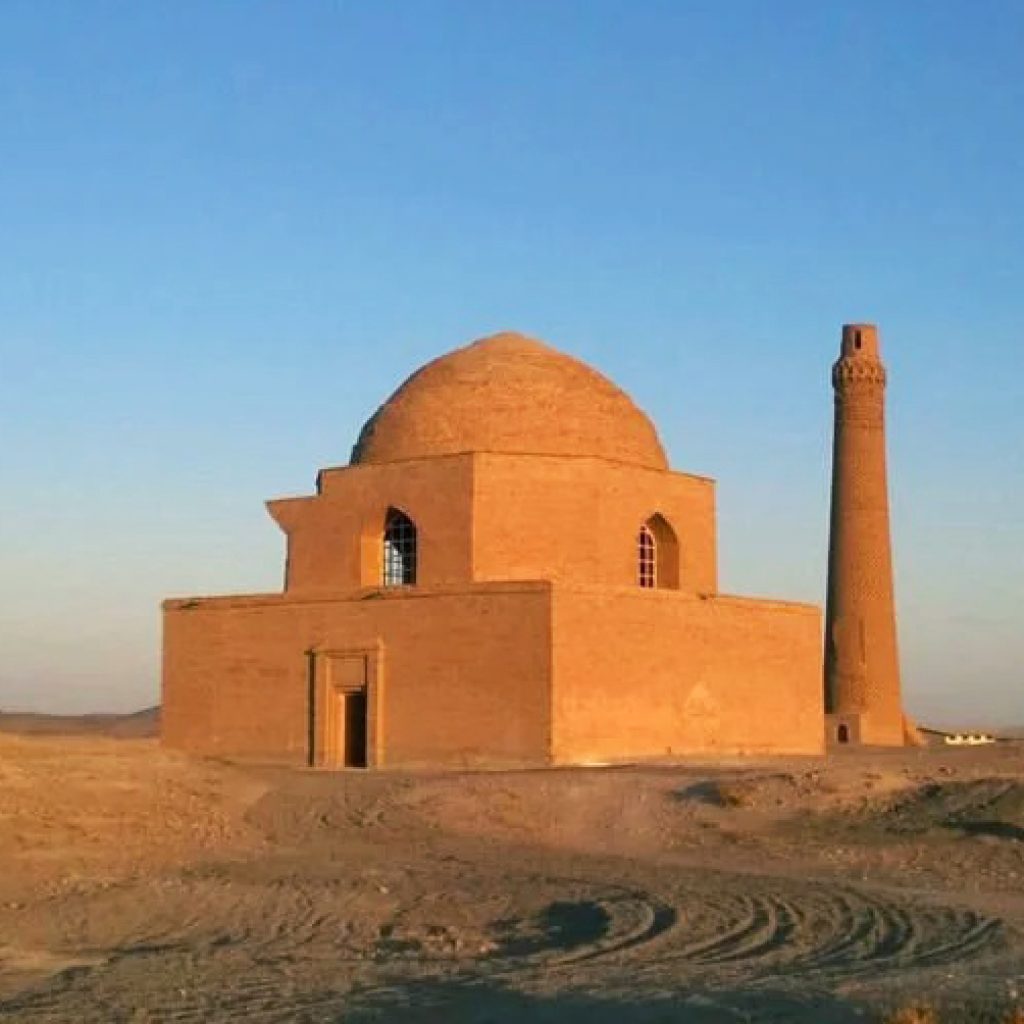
[{"x": 862, "y": 670}]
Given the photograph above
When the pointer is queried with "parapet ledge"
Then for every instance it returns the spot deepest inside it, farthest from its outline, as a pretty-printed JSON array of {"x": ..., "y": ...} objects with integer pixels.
[
  {"x": 329, "y": 473},
  {"x": 666, "y": 594},
  {"x": 779, "y": 604},
  {"x": 616, "y": 463},
  {"x": 224, "y": 601}
]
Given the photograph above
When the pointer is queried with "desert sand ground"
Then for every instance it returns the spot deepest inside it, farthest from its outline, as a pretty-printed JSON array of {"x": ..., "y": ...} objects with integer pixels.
[{"x": 140, "y": 886}]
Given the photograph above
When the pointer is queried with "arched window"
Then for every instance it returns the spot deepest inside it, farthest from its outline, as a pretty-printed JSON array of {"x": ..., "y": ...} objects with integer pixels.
[
  {"x": 399, "y": 549},
  {"x": 657, "y": 554},
  {"x": 646, "y": 558}
]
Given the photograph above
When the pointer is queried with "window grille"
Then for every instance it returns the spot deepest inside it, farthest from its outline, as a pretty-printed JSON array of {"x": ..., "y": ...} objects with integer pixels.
[
  {"x": 399, "y": 550},
  {"x": 646, "y": 562}
]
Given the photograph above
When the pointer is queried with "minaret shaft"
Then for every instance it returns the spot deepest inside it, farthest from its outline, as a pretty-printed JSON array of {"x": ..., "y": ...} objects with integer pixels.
[{"x": 862, "y": 676}]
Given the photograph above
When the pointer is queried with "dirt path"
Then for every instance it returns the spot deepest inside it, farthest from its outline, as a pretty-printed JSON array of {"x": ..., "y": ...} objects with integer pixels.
[{"x": 143, "y": 887}]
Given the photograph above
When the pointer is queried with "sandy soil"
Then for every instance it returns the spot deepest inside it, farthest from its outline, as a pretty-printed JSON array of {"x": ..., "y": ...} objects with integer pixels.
[{"x": 139, "y": 886}]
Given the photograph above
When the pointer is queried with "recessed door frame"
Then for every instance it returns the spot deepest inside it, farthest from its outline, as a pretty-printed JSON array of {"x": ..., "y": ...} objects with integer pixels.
[{"x": 335, "y": 672}]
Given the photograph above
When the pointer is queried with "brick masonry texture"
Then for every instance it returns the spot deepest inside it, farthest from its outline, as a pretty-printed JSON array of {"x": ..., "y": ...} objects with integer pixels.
[
  {"x": 862, "y": 676},
  {"x": 508, "y": 393}
]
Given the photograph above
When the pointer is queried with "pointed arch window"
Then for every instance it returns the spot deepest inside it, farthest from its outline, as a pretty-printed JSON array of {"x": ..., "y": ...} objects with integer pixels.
[
  {"x": 646, "y": 558},
  {"x": 399, "y": 549},
  {"x": 657, "y": 554}
]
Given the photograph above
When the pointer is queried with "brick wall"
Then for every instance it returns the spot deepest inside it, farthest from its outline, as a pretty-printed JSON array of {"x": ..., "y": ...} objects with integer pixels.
[
  {"x": 334, "y": 538},
  {"x": 659, "y": 673},
  {"x": 576, "y": 520},
  {"x": 464, "y": 675}
]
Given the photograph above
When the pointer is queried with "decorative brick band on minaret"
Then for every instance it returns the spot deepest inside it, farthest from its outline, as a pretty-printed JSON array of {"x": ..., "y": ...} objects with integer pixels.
[{"x": 862, "y": 673}]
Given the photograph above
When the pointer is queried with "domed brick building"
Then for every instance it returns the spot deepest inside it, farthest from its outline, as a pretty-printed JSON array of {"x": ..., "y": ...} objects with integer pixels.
[{"x": 506, "y": 573}]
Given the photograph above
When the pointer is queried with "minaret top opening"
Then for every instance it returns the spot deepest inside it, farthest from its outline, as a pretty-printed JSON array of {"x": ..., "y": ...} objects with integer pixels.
[{"x": 860, "y": 340}]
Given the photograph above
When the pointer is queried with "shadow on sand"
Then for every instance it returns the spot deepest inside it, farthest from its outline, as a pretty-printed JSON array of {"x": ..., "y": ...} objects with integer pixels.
[
  {"x": 427, "y": 1002},
  {"x": 994, "y": 829}
]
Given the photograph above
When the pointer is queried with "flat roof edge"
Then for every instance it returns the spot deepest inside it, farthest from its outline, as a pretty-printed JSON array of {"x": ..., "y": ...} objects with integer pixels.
[{"x": 363, "y": 594}]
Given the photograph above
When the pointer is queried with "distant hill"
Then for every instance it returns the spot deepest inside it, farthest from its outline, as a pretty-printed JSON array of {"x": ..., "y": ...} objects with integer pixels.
[{"x": 136, "y": 725}]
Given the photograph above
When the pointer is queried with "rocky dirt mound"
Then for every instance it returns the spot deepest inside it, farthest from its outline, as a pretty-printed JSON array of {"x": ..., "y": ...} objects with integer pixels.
[
  {"x": 986, "y": 807},
  {"x": 76, "y": 808},
  {"x": 993, "y": 807}
]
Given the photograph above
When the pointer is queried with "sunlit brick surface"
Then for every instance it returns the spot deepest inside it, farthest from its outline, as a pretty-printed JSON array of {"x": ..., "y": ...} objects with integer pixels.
[{"x": 861, "y": 660}]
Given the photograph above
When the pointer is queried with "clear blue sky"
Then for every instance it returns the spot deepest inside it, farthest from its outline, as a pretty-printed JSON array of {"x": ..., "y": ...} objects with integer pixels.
[{"x": 227, "y": 231}]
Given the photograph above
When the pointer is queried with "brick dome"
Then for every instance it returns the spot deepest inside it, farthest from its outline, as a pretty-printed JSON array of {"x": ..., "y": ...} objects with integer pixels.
[{"x": 509, "y": 393}]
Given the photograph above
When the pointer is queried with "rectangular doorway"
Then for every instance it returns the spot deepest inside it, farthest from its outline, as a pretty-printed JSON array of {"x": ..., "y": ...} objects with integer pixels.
[
  {"x": 353, "y": 709},
  {"x": 341, "y": 705}
]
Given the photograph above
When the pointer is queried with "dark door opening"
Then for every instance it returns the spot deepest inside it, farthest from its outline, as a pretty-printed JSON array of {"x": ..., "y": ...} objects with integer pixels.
[
  {"x": 843, "y": 734},
  {"x": 355, "y": 729}
]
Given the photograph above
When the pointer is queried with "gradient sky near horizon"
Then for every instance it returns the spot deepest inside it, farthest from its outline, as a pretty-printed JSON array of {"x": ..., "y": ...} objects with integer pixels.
[{"x": 229, "y": 229}]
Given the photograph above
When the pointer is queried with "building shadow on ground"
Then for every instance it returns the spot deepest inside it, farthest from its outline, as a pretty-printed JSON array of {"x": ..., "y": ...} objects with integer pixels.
[
  {"x": 453, "y": 1002},
  {"x": 994, "y": 829}
]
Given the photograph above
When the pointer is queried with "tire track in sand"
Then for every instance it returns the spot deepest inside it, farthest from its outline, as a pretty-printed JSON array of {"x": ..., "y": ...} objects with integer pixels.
[{"x": 270, "y": 954}]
